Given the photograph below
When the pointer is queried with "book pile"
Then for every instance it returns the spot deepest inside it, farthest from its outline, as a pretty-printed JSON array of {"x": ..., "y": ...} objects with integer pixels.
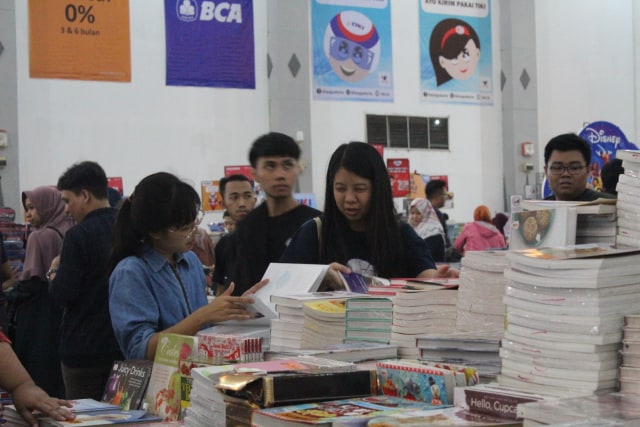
[
  {"x": 353, "y": 351},
  {"x": 368, "y": 319},
  {"x": 288, "y": 328},
  {"x": 596, "y": 227},
  {"x": 477, "y": 349},
  {"x": 324, "y": 323},
  {"x": 422, "y": 311},
  {"x": 629, "y": 199},
  {"x": 482, "y": 283},
  {"x": 565, "y": 312},
  {"x": 630, "y": 369},
  {"x": 612, "y": 409}
]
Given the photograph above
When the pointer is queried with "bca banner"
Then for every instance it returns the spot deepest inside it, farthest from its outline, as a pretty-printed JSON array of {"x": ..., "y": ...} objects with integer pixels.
[{"x": 210, "y": 43}]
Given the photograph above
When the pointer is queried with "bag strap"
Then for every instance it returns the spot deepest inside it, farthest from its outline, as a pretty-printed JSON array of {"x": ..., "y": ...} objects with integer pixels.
[
  {"x": 57, "y": 231},
  {"x": 318, "y": 222}
]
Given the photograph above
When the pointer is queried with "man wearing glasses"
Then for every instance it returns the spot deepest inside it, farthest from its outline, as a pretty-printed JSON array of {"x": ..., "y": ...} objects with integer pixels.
[{"x": 566, "y": 163}]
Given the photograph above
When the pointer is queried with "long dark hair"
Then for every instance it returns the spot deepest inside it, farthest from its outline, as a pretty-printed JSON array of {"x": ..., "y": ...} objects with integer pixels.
[
  {"x": 382, "y": 229},
  {"x": 159, "y": 201}
]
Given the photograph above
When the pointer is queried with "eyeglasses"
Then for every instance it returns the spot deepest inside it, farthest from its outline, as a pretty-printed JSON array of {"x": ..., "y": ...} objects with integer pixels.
[
  {"x": 559, "y": 169},
  {"x": 190, "y": 228},
  {"x": 341, "y": 49}
]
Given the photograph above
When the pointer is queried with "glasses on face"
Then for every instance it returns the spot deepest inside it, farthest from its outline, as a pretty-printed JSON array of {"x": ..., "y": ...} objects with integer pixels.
[
  {"x": 573, "y": 169},
  {"x": 190, "y": 229}
]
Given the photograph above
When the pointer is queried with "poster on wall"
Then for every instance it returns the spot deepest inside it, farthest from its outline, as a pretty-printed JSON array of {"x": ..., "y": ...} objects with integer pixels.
[
  {"x": 239, "y": 170},
  {"x": 79, "y": 40},
  {"x": 210, "y": 43},
  {"x": 455, "y": 52},
  {"x": 211, "y": 197},
  {"x": 351, "y": 42},
  {"x": 399, "y": 175},
  {"x": 115, "y": 182},
  {"x": 605, "y": 139}
]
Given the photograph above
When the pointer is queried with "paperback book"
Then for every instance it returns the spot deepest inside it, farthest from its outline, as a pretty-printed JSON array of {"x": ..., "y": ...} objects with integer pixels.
[
  {"x": 127, "y": 383},
  {"x": 415, "y": 381}
]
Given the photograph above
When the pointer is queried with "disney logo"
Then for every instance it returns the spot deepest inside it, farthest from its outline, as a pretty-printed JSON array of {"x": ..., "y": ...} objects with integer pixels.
[{"x": 595, "y": 136}]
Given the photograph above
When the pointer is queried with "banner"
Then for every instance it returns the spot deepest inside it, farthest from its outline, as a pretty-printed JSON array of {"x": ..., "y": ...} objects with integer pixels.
[
  {"x": 399, "y": 176},
  {"x": 211, "y": 197},
  {"x": 80, "y": 40},
  {"x": 351, "y": 43},
  {"x": 455, "y": 51},
  {"x": 210, "y": 43}
]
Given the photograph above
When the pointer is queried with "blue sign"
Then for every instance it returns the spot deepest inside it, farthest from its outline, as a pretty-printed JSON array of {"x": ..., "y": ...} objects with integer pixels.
[{"x": 210, "y": 43}]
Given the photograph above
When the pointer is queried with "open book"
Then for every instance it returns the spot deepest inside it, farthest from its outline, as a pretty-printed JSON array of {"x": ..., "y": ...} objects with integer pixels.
[{"x": 285, "y": 279}]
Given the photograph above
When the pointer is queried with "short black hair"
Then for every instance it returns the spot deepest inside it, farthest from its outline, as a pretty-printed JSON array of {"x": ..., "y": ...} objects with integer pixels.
[
  {"x": 273, "y": 144},
  {"x": 568, "y": 142},
  {"x": 232, "y": 178},
  {"x": 85, "y": 175},
  {"x": 226, "y": 214},
  {"x": 610, "y": 173},
  {"x": 434, "y": 186}
]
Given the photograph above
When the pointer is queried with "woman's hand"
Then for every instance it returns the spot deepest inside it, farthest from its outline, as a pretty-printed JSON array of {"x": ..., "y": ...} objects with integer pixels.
[
  {"x": 227, "y": 307},
  {"x": 442, "y": 271},
  {"x": 28, "y": 397},
  {"x": 252, "y": 290},
  {"x": 333, "y": 279}
]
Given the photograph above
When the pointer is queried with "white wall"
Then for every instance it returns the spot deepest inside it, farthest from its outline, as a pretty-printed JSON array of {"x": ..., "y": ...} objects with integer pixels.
[
  {"x": 474, "y": 161},
  {"x": 133, "y": 129},
  {"x": 585, "y": 57}
]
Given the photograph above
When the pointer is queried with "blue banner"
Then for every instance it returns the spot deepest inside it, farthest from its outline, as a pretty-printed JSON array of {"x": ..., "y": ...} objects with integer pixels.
[
  {"x": 455, "y": 51},
  {"x": 352, "y": 50},
  {"x": 210, "y": 43}
]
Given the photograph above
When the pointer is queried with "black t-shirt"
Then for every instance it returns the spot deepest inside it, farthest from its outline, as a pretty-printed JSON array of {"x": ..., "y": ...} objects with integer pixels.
[
  {"x": 262, "y": 239},
  {"x": 588, "y": 196},
  {"x": 225, "y": 259}
]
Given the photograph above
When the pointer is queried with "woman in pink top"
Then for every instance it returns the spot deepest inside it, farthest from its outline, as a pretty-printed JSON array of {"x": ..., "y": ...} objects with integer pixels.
[{"x": 480, "y": 234}]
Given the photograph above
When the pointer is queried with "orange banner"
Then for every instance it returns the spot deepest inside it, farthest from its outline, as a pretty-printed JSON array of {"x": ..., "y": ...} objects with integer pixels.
[{"x": 80, "y": 39}]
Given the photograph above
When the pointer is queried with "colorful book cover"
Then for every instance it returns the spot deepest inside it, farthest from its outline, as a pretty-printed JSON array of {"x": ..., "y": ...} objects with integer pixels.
[
  {"x": 415, "y": 381},
  {"x": 101, "y": 418},
  {"x": 164, "y": 389},
  {"x": 127, "y": 383}
]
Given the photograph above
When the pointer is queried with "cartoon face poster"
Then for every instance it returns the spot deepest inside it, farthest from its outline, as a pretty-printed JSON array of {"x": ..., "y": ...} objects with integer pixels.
[
  {"x": 455, "y": 51},
  {"x": 352, "y": 50}
]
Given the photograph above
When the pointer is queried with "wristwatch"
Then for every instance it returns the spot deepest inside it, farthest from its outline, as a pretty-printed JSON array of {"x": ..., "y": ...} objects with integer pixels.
[{"x": 50, "y": 272}]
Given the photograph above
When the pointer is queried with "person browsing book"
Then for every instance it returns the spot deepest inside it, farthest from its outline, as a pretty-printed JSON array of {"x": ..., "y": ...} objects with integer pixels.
[
  {"x": 157, "y": 282},
  {"x": 360, "y": 231},
  {"x": 567, "y": 159}
]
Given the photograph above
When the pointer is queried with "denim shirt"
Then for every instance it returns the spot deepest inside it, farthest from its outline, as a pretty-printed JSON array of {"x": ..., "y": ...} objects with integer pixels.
[{"x": 146, "y": 296}]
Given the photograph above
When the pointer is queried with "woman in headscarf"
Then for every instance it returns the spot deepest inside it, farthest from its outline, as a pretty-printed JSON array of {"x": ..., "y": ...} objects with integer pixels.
[
  {"x": 425, "y": 222},
  {"x": 37, "y": 319}
]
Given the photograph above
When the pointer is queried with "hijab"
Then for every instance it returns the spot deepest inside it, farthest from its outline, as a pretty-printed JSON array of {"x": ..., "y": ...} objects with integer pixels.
[
  {"x": 45, "y": 241},
  {"x": 430, "y": 224}
]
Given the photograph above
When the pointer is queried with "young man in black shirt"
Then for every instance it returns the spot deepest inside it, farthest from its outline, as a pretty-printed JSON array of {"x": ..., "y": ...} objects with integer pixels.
[{"x": 265, "y": 232}]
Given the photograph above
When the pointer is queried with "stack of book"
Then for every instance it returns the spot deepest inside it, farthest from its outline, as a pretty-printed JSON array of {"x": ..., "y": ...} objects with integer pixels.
[
  {"x": 630, "y": 369},
  {"x": 597, "y": 227},
  {"x": 477, "y": 349},
  {"x": 324, "y": 323},
  {"x": 482, "y": 284},
  {"x": 369, "y": 319},
  {"x": 629, "y": 199},
  {"x": 565, "y": 312},
  {"x": 422, "y": 311},
  {"x": 258, "y": 332},
  {"x": 612, "y": 409}
]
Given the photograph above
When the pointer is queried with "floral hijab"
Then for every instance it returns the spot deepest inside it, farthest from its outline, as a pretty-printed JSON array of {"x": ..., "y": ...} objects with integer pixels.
[{"x": 430, "y": 224}]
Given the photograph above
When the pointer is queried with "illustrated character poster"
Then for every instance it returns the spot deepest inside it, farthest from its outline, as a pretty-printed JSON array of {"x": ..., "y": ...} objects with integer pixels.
[
  {"x": 455, "y": 51},
  {"x": 352, "y": 50}
]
